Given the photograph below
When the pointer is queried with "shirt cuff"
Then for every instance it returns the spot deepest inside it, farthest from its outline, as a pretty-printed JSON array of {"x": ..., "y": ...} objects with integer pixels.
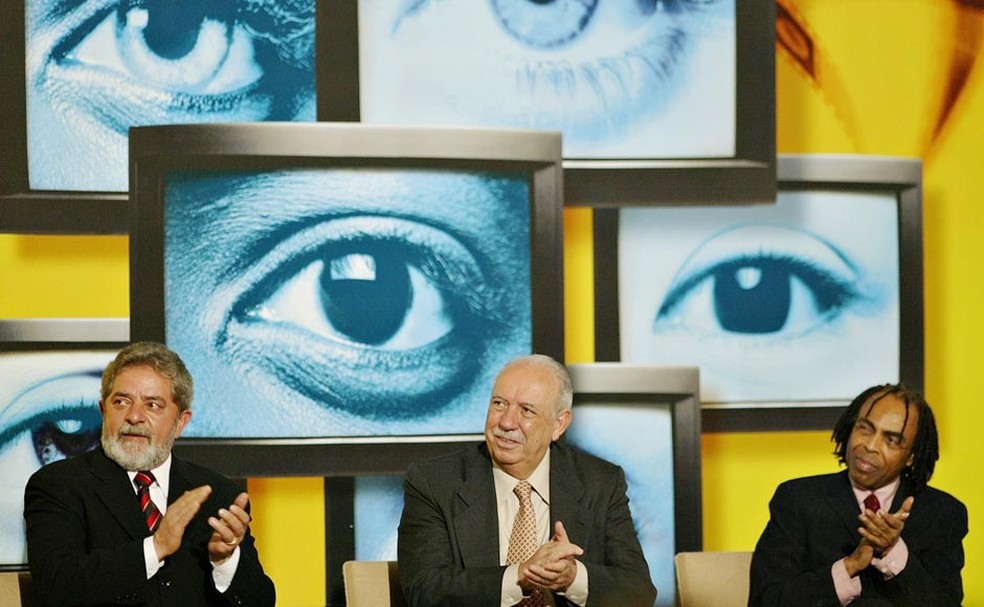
[
  {"x": 894, "y": 560},
  {"x": 222, "y": 573},
  {"x": 577, "y": 592},
  {"x": 848, "y": 588},
  {"x": 511, "y": 592},
  {"x": 151, "y": 564}
]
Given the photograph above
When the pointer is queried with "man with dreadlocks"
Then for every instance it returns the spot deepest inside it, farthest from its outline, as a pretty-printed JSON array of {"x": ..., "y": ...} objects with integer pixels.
[{"x": 873, "y": 534}]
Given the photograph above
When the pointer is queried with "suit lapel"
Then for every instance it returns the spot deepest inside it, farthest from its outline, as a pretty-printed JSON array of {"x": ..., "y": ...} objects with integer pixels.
[
  {"x": 566, "y": 493},
  {"x": 476, "y": 519},
  {"x": 840, "y": 498},
  {"x": 114, "y": 490}
]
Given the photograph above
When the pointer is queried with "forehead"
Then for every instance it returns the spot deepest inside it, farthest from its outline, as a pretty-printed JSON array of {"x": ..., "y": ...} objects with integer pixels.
[
  {"x": 891, "y": 414},
  {"x": 529, "y": 383},
  {"x": 144, "y": 378}
]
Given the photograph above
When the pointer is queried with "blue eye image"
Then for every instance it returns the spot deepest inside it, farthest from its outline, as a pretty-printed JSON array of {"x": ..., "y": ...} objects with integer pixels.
[
  {"x": 49, "y": 410},
  {"x": 772, "y": 303},
  {"x": 621, "y": 79},
  {"x": 761, "y": 292},
  {"x": 97, "y": 67},
  {"x": 345, "y": 302}
]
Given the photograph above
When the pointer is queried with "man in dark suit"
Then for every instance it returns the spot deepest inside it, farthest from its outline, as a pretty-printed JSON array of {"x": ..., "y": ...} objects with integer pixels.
[
  {"x": 466, "y": 514},
  {"x": 131, "y": 524},
  {"x": 874, "y": 534}
]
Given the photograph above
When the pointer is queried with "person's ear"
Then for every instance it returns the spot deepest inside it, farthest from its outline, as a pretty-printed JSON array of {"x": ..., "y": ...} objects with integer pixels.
[{"x": 561, "y": 423}]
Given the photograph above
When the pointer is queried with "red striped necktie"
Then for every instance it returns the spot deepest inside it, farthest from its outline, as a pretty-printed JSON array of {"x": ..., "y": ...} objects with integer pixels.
[
  {"x": 151, "y": 514},
  {"x": 871, "y": 503}
]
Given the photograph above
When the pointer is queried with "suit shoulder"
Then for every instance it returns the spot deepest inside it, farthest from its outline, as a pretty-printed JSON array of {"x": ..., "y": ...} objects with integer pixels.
[
  {"x": 72, "y": 468},
  {"x": 200, "y": 475},
  {"x": 585, "y": 461},
  {"x": 941, "y": 499},
  {"x": 808, "y": 485}
]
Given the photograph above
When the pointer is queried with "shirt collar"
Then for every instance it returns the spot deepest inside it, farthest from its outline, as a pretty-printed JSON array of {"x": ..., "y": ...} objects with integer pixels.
[
  {"x": 885, "y": 495},
  {"x": 539, "y": 479},
  {"x": 162, "y": 475}
]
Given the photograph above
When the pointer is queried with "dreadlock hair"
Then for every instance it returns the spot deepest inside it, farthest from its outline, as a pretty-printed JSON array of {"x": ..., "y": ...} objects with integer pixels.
[{"x": 925, "y": 449}]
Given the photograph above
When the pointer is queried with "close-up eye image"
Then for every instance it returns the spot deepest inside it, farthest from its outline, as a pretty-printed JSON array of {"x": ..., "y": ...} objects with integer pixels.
[
  {"x": 619, "y": 78},
  {"x": 95, "y": 68},
  {"x": 49, "y": 410},
  {"x": 760, "y": 298},
  {"x": 374, "y": 301}
]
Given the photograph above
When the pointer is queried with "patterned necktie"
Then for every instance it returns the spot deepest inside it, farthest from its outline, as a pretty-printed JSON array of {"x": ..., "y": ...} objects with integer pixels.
[
  {"x": 871, "y": 503},
  {"x": 151, "y": 513},
  {"x": 522, "y": 541}
]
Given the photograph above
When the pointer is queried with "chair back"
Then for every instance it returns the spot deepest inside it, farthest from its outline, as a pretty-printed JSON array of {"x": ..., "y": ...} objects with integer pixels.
[
  {"x": 372, "y": 584},
  {"x": 712, "y": 579},
  {"x": 15, "y": 588}
]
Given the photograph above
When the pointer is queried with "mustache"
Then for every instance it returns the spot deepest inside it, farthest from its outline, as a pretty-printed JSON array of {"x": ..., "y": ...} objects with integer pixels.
[
  {"x": 133, "y": 430},
  {"x": 513, "y": 435}
]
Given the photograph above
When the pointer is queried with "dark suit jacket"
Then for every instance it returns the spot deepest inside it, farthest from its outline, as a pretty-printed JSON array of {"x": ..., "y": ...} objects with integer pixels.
[
  {"x": 449, "y": 531},
  {"x": 814, "y": 523},
  {"x": 85, "y": 537}
]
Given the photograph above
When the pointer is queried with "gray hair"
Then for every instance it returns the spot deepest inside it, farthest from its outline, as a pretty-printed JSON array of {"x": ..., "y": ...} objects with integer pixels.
[
  {"x": 565, "y": 392},
  {"x": 159, "y": 357}
]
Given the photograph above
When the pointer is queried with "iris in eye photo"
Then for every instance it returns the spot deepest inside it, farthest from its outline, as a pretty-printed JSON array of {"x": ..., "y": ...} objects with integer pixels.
[{"x": 97, "y": 67}]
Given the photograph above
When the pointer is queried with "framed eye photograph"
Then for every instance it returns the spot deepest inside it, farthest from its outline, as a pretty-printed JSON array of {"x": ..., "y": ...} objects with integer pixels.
[{"x": 789, "y": 310}]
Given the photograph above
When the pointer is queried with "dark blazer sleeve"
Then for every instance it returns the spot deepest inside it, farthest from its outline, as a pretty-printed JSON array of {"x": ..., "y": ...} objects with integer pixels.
[
  {"x": 85, "y": 541},
  {"x": 813, "y": 524},
  {"x": 250, "y": 585},
  {"x": 788, "y": 569},
  {"x": 934, "y": 536},
  {"x": 588, "y": 495},
  {"x": 70, "y": 566},
  {"x": 448, "y": 546}
]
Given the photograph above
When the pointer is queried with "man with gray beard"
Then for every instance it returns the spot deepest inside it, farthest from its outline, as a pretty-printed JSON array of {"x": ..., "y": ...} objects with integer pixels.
[{"x": 132, "y": 524}]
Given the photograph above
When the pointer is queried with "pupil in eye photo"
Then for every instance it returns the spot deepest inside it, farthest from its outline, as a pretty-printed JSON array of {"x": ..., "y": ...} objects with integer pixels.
[
  {"x": 366, "y": 297},
  {"x": 94, "y": 69},
  {"x": 752, "y": 304},
  {"x": 172, "y": 27}
]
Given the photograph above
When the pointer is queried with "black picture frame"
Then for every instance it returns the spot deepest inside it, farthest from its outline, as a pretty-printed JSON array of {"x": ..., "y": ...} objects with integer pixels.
[
  {"x": 899, "y": 177},
  {"x": 155, "y": 151},
  {"x": 747, "y": 177}
]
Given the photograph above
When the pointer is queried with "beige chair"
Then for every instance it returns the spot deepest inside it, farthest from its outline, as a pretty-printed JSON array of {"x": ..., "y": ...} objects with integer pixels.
[
  {"x": 15, "y": 589},
  {"x": 712, "y": 579},
  {"x": 372, "y": 584}
]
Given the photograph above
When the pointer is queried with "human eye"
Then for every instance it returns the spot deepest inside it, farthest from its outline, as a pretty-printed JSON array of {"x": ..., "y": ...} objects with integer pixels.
[
  {"x": 48, "y": 421},
  {"x": 153, "y": 61},
  {"x": 593, "y": 69},
  {"x": 761, "y": 281},
  {"x": 863, "y": 427},
  {"x": 385, "y": 314}
]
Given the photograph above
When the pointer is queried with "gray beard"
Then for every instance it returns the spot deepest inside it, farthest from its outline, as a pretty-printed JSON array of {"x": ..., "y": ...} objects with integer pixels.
[{"x": 134, "y": 457}]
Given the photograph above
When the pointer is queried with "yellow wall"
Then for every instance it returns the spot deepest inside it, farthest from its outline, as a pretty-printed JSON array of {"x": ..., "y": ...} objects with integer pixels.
[{"x": 885, "y": 67}]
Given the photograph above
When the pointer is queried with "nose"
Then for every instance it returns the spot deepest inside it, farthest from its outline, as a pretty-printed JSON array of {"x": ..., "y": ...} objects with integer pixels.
[
  {"x": 509, "y": 418},
  {"x": 136, "y": 413}
]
